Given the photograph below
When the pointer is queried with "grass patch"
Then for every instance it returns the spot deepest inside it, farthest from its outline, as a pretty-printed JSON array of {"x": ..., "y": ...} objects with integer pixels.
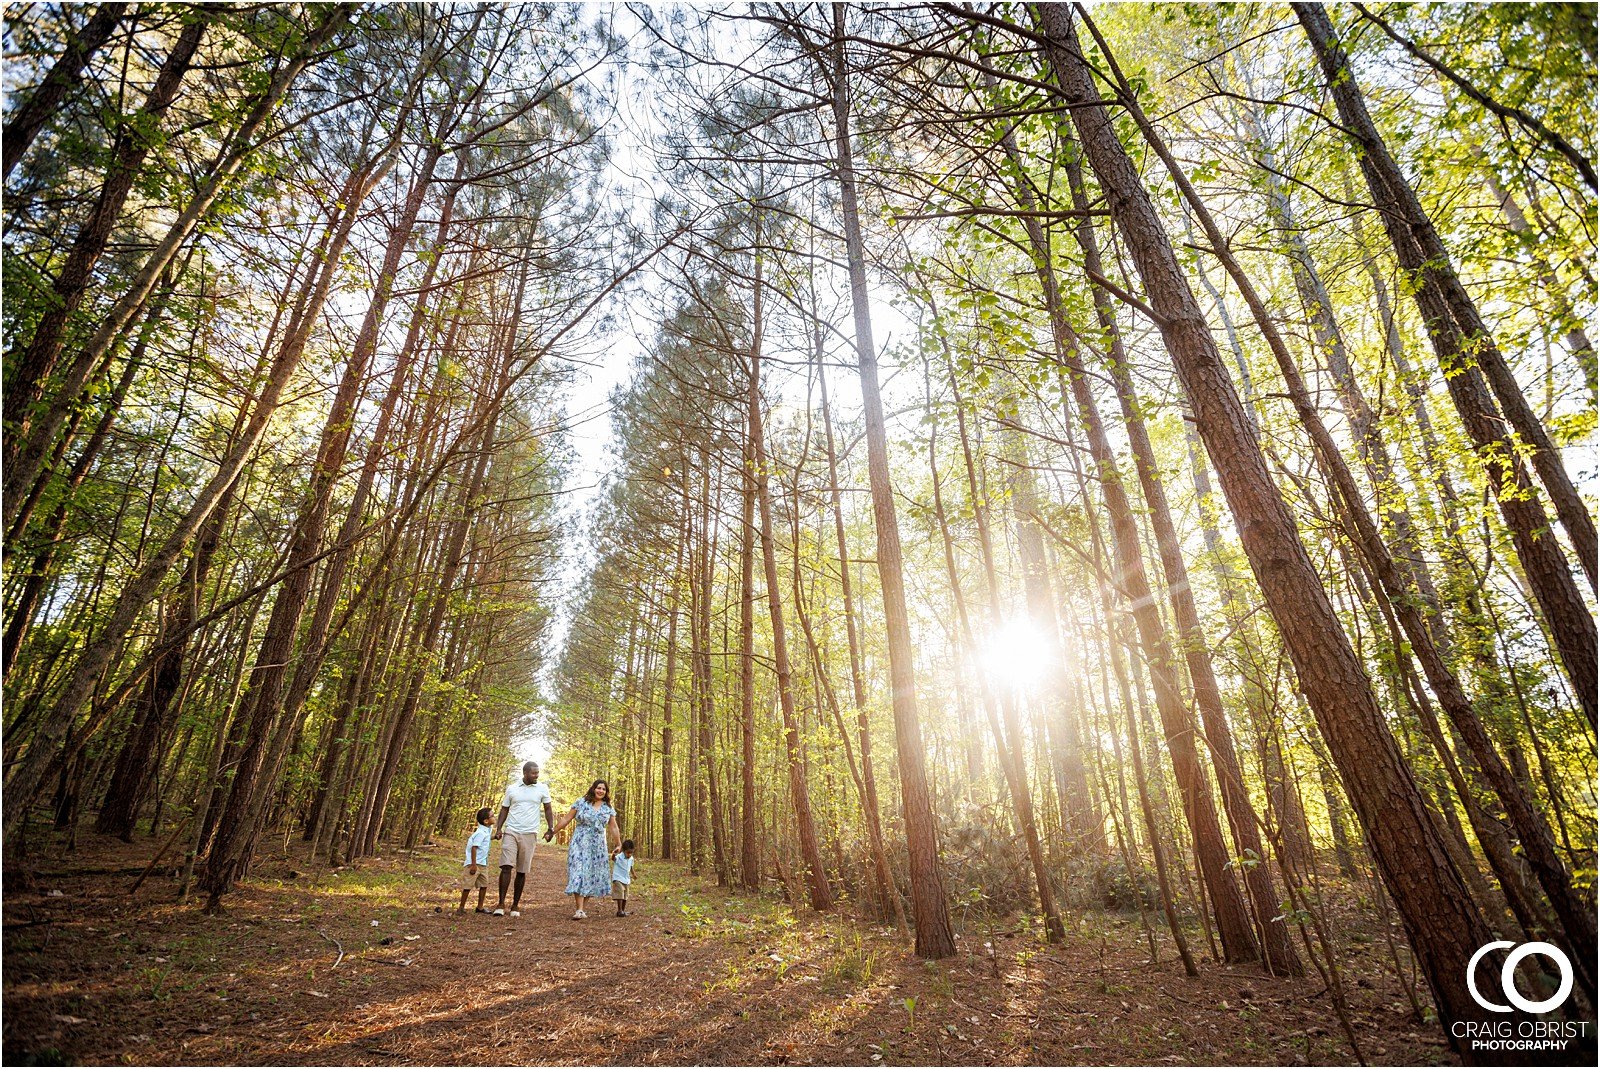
[{"x": 853, "y": 963}]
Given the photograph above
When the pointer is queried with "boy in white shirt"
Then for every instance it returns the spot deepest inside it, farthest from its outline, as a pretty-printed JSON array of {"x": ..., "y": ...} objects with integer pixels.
[
  {"x": 475, "y": 871},
  {"x": 518, "y": 831},
  {"x": 622, "y": 875}
]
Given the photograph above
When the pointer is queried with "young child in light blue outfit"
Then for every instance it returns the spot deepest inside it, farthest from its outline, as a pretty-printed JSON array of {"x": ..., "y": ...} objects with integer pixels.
[
  {"x": 475, "y": 863},
  {"x": 622, "y": 875}
]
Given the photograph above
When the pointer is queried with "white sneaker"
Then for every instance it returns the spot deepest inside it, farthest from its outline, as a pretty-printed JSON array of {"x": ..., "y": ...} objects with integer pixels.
[
  {"x": 499, "y": 913},
  {"x": 516, "y": 913},
  {"x": 580, "y": 915}
]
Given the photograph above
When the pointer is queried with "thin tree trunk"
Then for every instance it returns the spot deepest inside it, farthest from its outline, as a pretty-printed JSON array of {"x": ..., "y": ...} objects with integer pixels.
[
  {"x": 701, "y": 656},
  {"x": 1264, "y": 901},
  {"x": 799, "y": 790},
  {"x": 1576, "y": 334},
  {"x": 749, "y": 844},
  {"x": 675, "y": 585},
  {"x": 929, "y": 907},
  {"x": 858, "y": 685}
]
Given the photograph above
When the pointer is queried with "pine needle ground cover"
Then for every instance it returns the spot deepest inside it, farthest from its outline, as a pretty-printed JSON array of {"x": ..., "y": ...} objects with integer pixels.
[{"x": 370, "y": 966}]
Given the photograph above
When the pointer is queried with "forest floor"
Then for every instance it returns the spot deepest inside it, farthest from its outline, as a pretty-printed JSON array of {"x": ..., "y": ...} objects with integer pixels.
[{"x": 371, "y": 966}]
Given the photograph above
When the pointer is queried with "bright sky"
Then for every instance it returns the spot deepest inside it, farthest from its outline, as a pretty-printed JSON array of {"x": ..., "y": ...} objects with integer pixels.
[{"x": 631, "y": 182}]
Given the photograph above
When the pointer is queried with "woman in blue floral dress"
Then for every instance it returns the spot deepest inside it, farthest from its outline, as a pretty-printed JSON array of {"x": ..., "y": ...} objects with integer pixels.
[{"x": 588, "y": 855}]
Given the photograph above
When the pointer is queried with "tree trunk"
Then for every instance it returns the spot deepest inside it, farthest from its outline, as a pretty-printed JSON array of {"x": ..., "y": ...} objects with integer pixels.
[
  {"x": 1264, "y": 901},
  {"x": 929, "y": 908},
  {"x": 701, "y": 657},
  {"x": 675, "y": 585},
  {"x": 749, "y": 843},
  {"x": 858, "y": 685},
  {"x": 140, "y": 753},
  {"x": 1575, "y": 333},
  {"x": 38, "y": 574}
]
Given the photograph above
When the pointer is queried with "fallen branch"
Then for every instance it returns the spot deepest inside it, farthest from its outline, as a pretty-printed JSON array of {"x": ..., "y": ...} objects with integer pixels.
[
  {"x": 337, "y": 944},
  {"x": 148, "y": 869}
]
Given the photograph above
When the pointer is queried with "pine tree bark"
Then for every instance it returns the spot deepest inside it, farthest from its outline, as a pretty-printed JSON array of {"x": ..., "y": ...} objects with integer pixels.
[{"x": 1401, "y": 589}]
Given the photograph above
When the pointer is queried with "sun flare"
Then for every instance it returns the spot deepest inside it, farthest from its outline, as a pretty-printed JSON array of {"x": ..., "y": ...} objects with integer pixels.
[{"x": 1016, "y": 654}]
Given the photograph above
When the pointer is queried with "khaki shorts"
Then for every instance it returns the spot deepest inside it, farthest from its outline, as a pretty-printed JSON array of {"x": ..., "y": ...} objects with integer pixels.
[
  {"x": 619, "y": 889},
  {"x": 470, "y": 879},
  {"x": 516, "y": 849}
]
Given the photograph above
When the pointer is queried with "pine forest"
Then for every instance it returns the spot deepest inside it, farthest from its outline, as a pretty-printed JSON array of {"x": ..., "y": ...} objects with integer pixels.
[{"x": 985, "y": 480}]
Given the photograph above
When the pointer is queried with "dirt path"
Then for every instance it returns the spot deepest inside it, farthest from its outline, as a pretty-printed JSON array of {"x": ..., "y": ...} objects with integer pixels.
[{"x": 694, "y": 976}]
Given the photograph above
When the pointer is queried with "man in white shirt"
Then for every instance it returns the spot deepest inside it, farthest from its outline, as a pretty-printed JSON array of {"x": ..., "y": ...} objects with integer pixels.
[{"x": 518, "y": 831}]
